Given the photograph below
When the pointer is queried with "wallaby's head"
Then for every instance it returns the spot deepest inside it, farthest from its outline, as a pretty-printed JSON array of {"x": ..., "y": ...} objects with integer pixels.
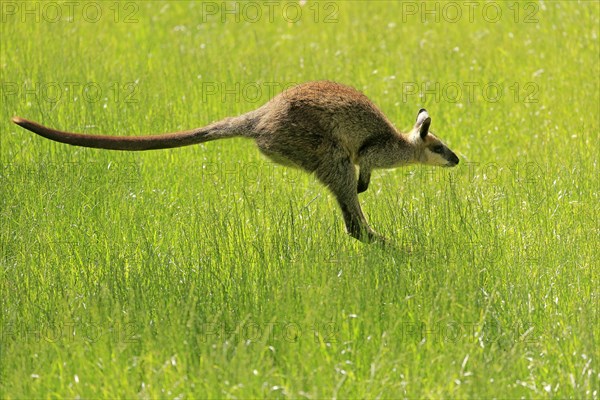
[{"x": 428, "y": 148}]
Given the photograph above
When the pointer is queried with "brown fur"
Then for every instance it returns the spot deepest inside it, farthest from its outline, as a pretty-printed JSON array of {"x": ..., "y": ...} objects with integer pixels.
[{"x": 322, "y": 127}]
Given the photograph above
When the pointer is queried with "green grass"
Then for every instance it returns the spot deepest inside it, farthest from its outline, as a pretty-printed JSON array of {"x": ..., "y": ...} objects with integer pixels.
[{"x": 210, "y": 272}]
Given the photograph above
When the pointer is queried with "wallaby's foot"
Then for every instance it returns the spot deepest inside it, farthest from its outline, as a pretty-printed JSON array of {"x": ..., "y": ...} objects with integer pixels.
[
  {"x": 382, "y": 241},
  {"x": 369, "y": 236}
]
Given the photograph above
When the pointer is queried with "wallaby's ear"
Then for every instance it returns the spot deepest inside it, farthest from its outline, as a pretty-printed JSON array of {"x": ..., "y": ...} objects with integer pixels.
[
  {"x": 423, "y": 122},
  {"x": 421, "y": 115},
  {"x": 424, "y": 129}
]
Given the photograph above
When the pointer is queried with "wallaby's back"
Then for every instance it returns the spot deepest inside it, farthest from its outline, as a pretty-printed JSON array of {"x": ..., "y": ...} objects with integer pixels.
[{"x": 325, "y": 108}]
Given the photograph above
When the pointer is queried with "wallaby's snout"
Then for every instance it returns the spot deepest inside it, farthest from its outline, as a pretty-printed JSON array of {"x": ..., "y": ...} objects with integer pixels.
[
  {"x": 453, "y": 161},
  {"x": 452, "y": 158}
]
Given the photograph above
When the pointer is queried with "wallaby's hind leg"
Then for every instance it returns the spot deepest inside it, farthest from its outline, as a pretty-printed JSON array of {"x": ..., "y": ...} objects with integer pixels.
[
  {"x": 337, "y": 172},
  {"x": 334, "y": 168}
]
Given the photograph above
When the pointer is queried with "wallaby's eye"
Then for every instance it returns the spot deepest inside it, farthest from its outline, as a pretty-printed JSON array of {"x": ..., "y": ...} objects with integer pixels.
[{"x": 438, "y": 149}]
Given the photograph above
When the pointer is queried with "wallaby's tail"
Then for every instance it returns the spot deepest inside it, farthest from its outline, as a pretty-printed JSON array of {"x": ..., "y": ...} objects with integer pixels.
[{"x": 229, "y": 127}]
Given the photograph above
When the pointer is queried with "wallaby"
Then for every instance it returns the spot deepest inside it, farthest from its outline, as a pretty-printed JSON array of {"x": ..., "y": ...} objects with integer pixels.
[{"x": 323, "y": 127}]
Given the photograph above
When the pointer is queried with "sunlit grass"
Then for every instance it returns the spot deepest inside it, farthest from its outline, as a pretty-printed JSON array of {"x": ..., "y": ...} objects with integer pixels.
[{"x": 210, "y": 272}]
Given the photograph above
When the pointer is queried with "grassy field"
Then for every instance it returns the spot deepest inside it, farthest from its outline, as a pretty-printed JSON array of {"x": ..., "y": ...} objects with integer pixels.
[{"x": 210, "y": 272}]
